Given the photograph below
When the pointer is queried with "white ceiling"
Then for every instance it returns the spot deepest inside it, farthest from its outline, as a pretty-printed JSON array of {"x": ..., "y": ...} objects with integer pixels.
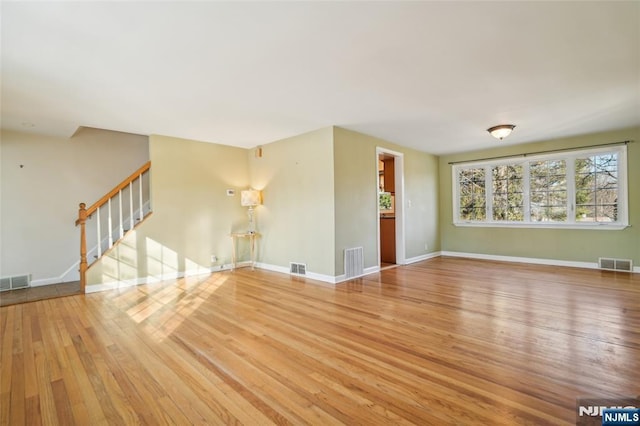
[{"x": 428, "y": 75}]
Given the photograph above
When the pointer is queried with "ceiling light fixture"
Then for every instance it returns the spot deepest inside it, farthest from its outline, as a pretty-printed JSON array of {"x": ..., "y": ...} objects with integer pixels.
[{"x": 501, "y": 131}]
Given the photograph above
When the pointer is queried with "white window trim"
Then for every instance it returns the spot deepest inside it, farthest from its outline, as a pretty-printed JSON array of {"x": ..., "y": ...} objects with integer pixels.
[{"x": 569, "y": 157}]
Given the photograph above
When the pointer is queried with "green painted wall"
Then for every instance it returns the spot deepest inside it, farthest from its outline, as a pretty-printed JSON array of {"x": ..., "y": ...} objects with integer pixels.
[
  {"x": 356, "y": 185},
  {"x": 192, "y": 215},
  {"x": 558, "y": 244},
  {"x": 319, "y": 197},
  {"x": 296, "y": 219}
]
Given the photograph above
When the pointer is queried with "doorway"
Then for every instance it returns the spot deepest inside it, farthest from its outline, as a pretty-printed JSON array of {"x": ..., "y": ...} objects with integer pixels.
[{"x": 390, "y": 213}]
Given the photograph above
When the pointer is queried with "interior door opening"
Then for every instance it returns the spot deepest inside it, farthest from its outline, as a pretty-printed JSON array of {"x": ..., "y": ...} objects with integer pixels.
[{"x": 390, "y": 187}]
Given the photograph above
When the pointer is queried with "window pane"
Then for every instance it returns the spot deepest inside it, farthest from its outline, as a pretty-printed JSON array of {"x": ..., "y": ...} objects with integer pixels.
[
  {"x": 606, "y": 213},
  {"x": 472, "y": 194},
  {"x": 597, "y": 188},
  {"x": 585, "y": 196},
  {"x": 537, "y": 213},
  {"x": 507, "y": 192},
  {"x": 586, "y": 214},
  {"x": 499, "y": 186},
  {"x": 515, "y": 213},
  {"x": 548, "y": 185},
  {"x": 515, "y": 185},
  {"x": 538, "y": 198},
  {"x": 557, "y": 167},
  {"x": 558, "y": 214},
  {"x": 557, "y": 198}
]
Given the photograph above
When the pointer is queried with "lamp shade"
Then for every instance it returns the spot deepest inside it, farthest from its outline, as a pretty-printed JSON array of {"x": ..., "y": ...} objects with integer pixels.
[
  {"x": 250, "y": 198},
  {"x": 501, "y": 131}
]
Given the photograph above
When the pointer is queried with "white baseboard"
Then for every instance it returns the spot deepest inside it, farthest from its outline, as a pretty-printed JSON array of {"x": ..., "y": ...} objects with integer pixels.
[
  {"x": 534, "y": 260},
  {"x": 315, "y": 276},
  {"x": 367, "y": 271},
  {"x": 71, "y": 274},
  {"x": 113, "y": 285},
  {"x": 422, "y": 257},
  {"x": 273, "y": 268},
  {"x": 311, "y": 275},
  {"x": 339, "y": 278}
]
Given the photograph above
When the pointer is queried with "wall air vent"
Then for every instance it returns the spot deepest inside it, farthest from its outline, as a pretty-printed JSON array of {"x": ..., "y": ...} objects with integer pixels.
[
  {"x": 623, "y": 265},
  {"x": 14, "y": 283},
  {"x": 298, "y": 268},
  {"x": 353, "y": 262}
]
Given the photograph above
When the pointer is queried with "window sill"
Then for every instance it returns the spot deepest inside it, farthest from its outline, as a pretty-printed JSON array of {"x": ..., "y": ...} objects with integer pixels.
[{"x": 600, "y": 227}]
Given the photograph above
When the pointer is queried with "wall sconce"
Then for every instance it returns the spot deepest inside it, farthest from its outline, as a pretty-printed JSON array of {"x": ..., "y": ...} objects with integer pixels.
[
  {"x": 251, "y": 198},
  {"x": 501, "y": 131}
]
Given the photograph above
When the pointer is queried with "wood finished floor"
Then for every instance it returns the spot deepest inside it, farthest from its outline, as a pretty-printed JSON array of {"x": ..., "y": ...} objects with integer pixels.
[
  {"x": 444, "y": 341},
  {"x": 31, "y": 294}
]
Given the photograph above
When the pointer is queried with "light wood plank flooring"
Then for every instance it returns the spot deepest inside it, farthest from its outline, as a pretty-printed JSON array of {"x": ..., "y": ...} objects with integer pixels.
[
  {"x": 31, "y": 294},
  {"x": 444, "y": 341}
]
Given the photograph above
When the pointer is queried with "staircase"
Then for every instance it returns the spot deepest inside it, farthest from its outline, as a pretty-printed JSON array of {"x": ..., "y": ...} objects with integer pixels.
[{"x": 109, "y": 219}]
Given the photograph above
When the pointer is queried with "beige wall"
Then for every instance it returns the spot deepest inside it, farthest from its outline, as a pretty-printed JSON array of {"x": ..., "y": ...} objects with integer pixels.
[
  {"x": 192, "y": 215},
  {"x": 557, "y": 244},
  {"x": 356, "y": 186},
  {"x": 296, "y": 219},
  {"x": 40, "y": 200},
  {"x": 319, "y": 196},
  {"x": 422, "y": 188}
]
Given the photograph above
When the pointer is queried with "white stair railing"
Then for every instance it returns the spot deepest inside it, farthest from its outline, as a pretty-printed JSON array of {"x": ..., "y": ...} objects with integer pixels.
[{"x": 132, "y": 195}]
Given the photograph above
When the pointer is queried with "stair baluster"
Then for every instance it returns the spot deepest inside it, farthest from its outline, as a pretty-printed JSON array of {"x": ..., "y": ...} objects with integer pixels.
[{"x": 86, "y": 213}]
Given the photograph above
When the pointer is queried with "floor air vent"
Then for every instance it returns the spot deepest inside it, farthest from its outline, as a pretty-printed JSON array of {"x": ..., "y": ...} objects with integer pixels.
[
  {"x": 353, "y": 262},
  {"x": 14, "y": 283},
  {"x": 625, "y": 265},
  {"x": 298, "y": 268}
]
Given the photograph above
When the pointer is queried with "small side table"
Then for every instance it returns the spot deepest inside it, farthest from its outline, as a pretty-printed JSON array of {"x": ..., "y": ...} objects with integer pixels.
[{"x": 252, "y": 247}]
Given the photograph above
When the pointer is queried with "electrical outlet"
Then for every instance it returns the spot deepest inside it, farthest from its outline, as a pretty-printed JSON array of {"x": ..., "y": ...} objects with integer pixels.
[
  {"x": 426, "y": 246},
  {"x": 214, "y": 258}
]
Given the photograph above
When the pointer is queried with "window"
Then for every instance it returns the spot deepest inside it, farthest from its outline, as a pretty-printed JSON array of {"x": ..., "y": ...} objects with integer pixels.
[
  {"x": 548, "y": 186},
  {"x": 508, "y": 192},
  {"x": 597, "y": 188},
  {"x": 472, "y": 194},
  {"x": 571, "y": 189}
]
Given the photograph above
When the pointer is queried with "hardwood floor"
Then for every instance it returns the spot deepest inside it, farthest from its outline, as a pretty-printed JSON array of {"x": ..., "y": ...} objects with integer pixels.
[
  {"x": 31, "y": 294},
  {"x": 444, "y": 341}
]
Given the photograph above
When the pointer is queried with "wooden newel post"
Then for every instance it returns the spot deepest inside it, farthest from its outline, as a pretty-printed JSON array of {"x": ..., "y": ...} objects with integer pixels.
[{"x": 82, "y": 218}]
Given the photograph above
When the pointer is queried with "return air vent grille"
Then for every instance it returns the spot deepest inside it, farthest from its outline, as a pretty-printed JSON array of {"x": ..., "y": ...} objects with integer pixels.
[
  {"x": 13, "y": 283},
  {"x": 298, "y": 268},
  {"x": 624, "y": 265},
  {"x": 353, "y": 262}
]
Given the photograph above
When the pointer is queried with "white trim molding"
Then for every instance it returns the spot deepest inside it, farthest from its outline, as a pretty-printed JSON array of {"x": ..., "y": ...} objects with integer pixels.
[
  {"x": 71, "y": 274},
  {"x": 315, "y": 276},
  {"x": 340, "y": 278},
  {"x": 114, "y": 285},
  {"x": 367, "y": 271},
  {"x": 533, "y": 260},
  {"x": 422, "y": 257}
]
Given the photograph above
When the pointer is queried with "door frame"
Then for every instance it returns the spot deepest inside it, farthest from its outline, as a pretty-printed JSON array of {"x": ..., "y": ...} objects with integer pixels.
[{"x": 398, "y": 163}]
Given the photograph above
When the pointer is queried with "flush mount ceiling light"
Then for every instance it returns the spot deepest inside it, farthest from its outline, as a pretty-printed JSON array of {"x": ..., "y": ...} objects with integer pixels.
[{"x": 501, "y": 131}]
